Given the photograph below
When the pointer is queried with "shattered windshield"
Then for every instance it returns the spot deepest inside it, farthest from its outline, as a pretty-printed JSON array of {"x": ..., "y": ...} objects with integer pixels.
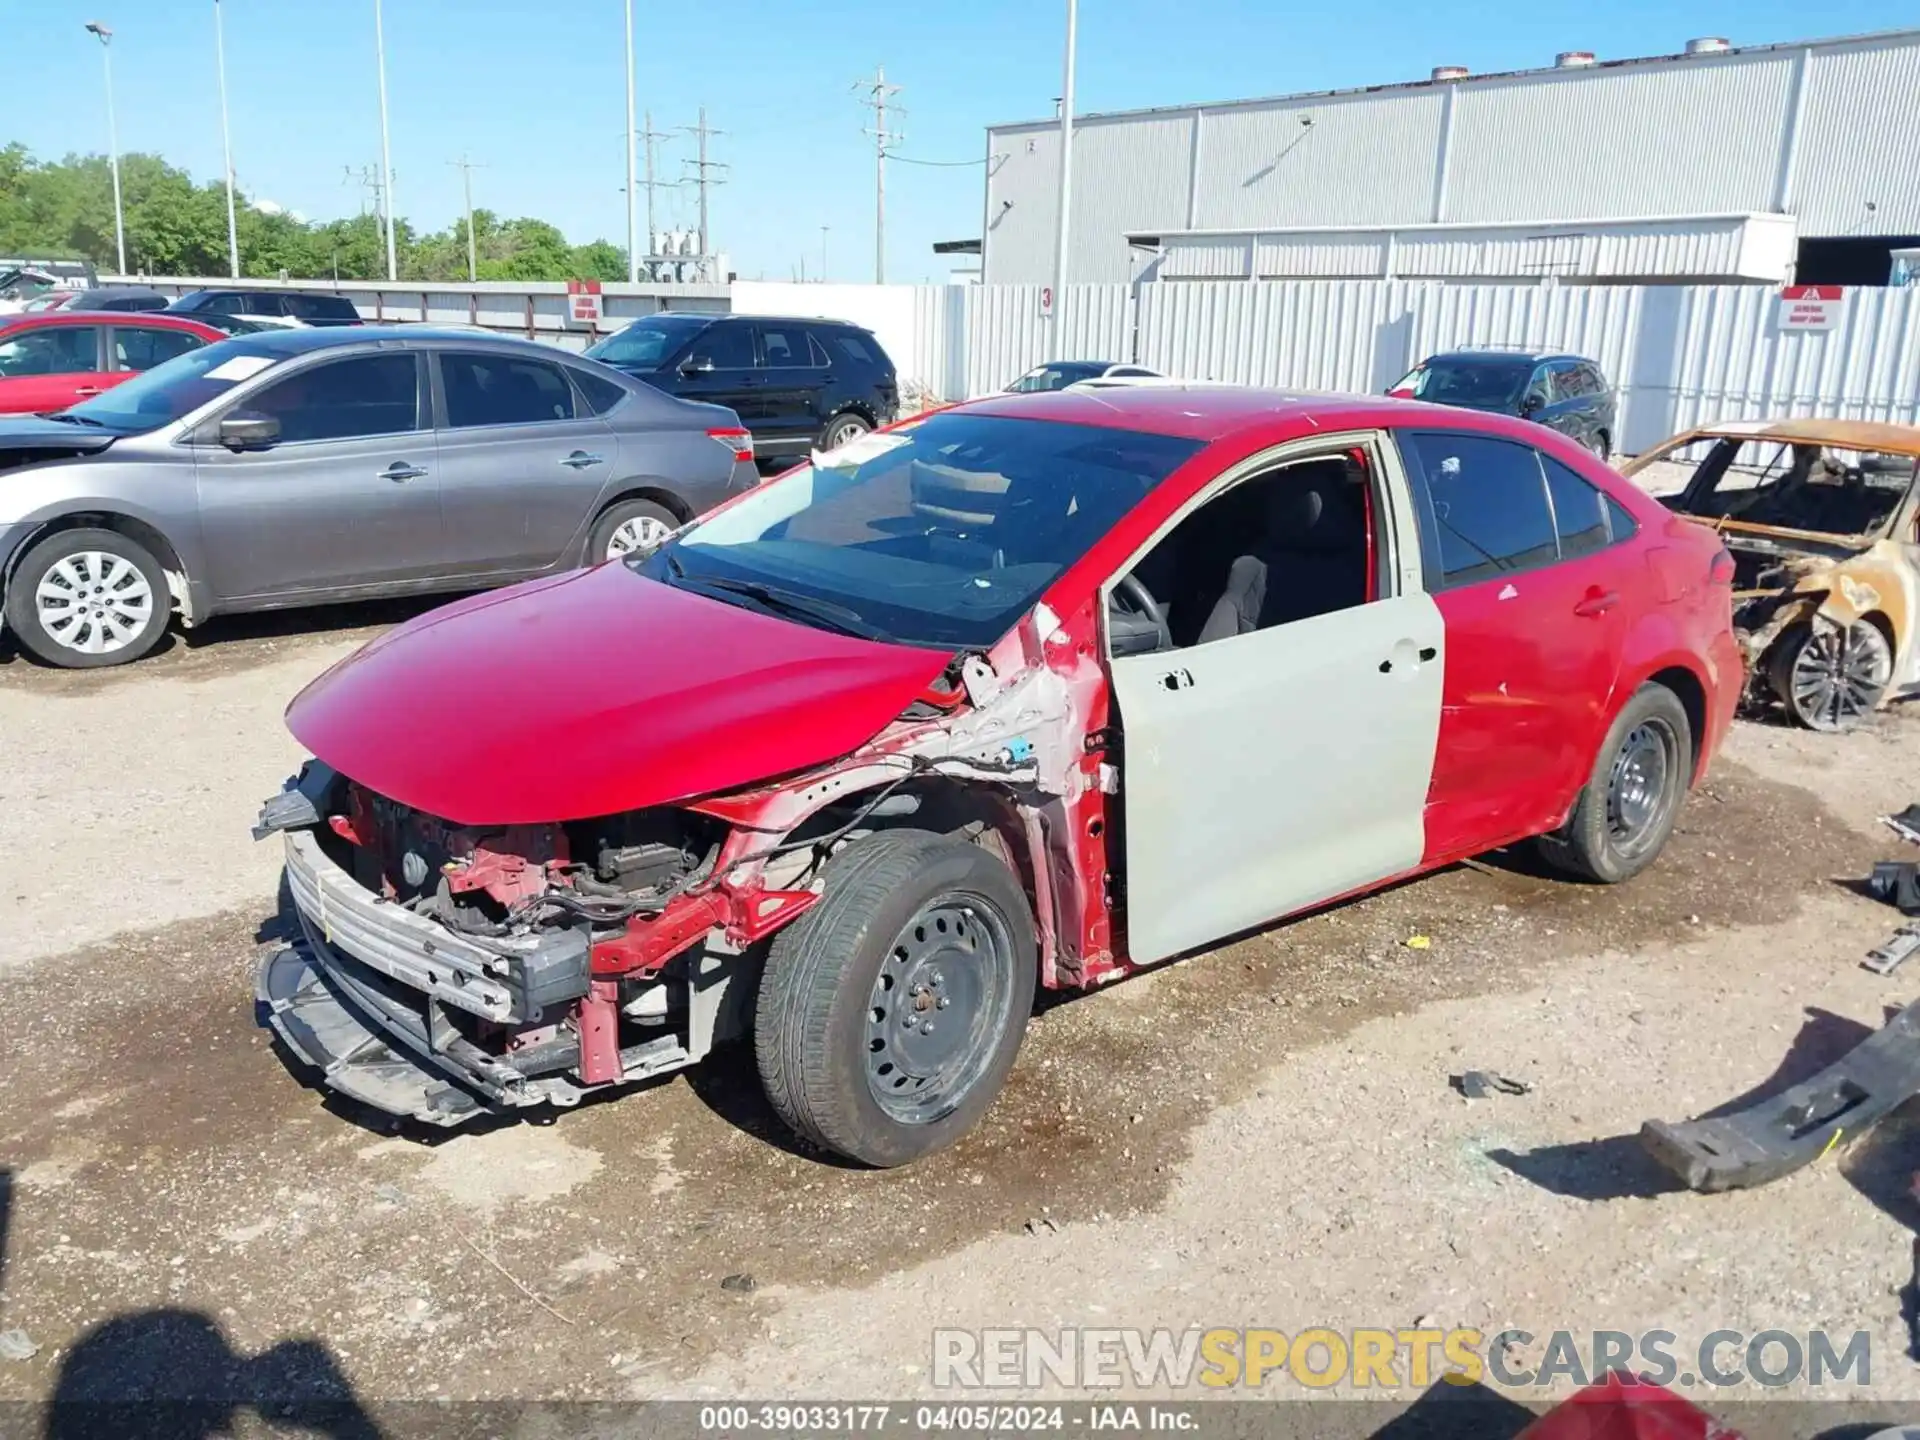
[
  {"x": 942, "y": 533},
  {"x": 1798, "y": 486}
]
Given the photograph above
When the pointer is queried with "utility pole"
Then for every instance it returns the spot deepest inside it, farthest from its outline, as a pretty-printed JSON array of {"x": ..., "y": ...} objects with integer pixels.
[
  {"x": 879, "y": 96},
  {"x": 226, "y": 139},
  {"x": 104, "y": 34},
  {"x": 701, "y": 167},
  {"x": 466, "y": 167},
  {"x": 1066, "y": 186},
  {"x": 633, "y": 200},
  {"x": 386, "y": 152},
  {"x": 823, "y": 253},
  {"x": 647, "y": 137}
]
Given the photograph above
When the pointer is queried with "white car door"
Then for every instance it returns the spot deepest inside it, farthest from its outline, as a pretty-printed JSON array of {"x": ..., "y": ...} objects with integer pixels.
[{"x": 1268, "y": 771}]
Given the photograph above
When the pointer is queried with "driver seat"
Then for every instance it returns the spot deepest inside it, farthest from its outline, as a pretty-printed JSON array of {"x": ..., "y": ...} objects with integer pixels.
[{"x": 1310, "y": 560}]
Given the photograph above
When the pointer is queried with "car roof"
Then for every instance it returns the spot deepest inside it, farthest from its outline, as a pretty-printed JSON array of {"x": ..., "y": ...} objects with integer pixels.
[
  {"x": 1874, "y": 435},
  {"x": 37, "y": 319},
  {"x": 757, "y": 319},
  {"x": 1497, "y": 352},
  {"x": 301, "y": 340},
  {"x": 1213, "y": 412}
]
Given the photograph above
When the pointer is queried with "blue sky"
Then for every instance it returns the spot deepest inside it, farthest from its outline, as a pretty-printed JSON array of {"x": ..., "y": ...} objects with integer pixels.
[{"x": 534, "y": 91}]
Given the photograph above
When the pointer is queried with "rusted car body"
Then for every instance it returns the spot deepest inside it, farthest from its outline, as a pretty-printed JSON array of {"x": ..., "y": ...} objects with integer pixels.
[{"x": 1823, "y": 520}]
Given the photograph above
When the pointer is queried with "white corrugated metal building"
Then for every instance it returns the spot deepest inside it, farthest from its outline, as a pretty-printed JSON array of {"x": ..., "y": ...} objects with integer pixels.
[{"x": 1718, "y": 163}]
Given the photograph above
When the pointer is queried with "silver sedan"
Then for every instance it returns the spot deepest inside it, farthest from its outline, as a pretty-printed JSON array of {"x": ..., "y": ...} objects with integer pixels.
[{"x": 307, "y": 466}]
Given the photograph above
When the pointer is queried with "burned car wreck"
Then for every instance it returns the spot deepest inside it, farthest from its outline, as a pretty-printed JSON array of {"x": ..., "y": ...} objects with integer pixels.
[{"x": 1820, "y": 517}]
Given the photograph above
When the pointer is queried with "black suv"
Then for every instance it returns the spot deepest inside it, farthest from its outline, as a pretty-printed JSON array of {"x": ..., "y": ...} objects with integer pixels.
[
  {"x": 301, "y": 305},
  {"x": 1563, "y": 392},
  {"x": 796, "y": 384}
]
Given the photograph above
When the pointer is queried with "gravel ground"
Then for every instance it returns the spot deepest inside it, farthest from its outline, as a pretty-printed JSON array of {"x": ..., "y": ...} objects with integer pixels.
[{"x": 1263, "y": 1136}]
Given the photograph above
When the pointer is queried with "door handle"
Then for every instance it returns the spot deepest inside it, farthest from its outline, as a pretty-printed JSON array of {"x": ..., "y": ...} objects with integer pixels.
[
  {"x": 1425, "y": 652},
  {"x": 399, "y": 471},
  {"x": 1597, "y": 602},
  {"x": 1177, "y": 680},
  {"x": 580, "y": 460}
]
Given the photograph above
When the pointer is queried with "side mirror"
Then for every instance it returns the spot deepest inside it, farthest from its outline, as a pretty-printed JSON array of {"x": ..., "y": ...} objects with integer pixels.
[
  {"x": 697, "y": 365},
  {"x": 249, "y": 432}
]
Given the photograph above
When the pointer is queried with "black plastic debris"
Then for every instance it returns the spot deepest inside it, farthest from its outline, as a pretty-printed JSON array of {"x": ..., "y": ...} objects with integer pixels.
[
  {"x": 738, "y": 1284},
  {"x": 1905, "y": 823},
  {"x": 1898, "y": 883},
  {"x": 1796, "y": 1127},
  {"x": 1479, "y": 1084}
]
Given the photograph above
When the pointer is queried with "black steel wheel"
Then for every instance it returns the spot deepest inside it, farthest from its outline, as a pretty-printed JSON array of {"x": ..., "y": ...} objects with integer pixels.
[
  {"x": 1627, "y": 809},
  {"x": 1832, "y": 677},
  {"x": 890, "y": 1013}
]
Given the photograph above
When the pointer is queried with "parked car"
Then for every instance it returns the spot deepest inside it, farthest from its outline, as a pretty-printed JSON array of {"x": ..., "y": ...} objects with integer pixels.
[
  {"x": 304, "y": 306},
  {"x": 50, "y": 300},
  {"x": 284, "y": 469},
  {"x": 798, "y": 385},
  {"x": 118, "y": 297},
  {"x": 1058, "y": 684},
  {"x": 27, "y": 277},
  {"x": 1058, "y": 374},
  {"x": 244, "y": 324},
  {"x": 52, "y": 359},
  {"x": 1821, "y": 517},
  {"x": 1567, "y": 393}
]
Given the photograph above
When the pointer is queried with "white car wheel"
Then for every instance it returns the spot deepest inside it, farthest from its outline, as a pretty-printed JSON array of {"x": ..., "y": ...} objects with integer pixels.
[{"x": 639, "y": 534}]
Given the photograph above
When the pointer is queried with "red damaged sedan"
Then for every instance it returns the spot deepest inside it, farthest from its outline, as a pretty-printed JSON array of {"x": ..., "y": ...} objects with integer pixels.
[{"x": 1037, "y": 690}]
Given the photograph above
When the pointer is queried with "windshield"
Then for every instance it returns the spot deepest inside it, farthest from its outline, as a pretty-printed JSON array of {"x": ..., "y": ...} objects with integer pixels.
[
  {"x": 1794, "y": 485},
  {"x": 647, "y": 344},
  {"x": 1477, "y": 384},
  {"x": 940, "y": 534},
  {"x": 178, "y": 387},
  {"x": 1053, "y": 377}
]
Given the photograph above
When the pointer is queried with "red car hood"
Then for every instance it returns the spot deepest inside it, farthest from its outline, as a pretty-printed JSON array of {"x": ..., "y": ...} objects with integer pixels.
[{"x": 596, "y": 692}]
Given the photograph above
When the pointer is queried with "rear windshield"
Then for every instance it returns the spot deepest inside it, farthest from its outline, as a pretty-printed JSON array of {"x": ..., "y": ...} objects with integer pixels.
[
  {"x": 648, "y": 344},
  {"x": 1478, "y": 384},
  {"x": 173, "y": 389},
  {"x": 942, "y": 533}
]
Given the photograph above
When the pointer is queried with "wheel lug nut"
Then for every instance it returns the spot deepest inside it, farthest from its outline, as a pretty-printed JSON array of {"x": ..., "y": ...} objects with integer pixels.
[
  {"x": 941, "y": 1003},
  {"x": 938, "y": 978},
  {"x": 927, "y": 1029}
]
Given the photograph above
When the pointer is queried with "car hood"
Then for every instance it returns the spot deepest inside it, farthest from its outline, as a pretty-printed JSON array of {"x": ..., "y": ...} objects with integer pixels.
[
  {"x": 596, "y": 692},
  {"x": 29, "y": 436}
]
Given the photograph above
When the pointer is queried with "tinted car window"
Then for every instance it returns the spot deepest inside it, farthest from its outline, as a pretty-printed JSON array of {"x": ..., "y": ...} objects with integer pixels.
[
  {"x": 257, "y": 304},
  {"x": 1491, "y": 384},
  {"x": 344, "y": 399},
  {"x": 1568, "y": 383},
  {"x": 647, "y": 344},
  {"x": 729, "y": 347},
  {"x": 600, "y": 393},
  {"x": 1579, "y": 511},
  {"x": 56, "y": 350},
  {"x": 503, "y": 390},
  {"x": 319, "y": 307},
  {"x": 786, "y": 348},
  {"x": 1620, "y": 524},
  {"x": 220, "y": 304},
  {"x": 1485, "y": 509},
  {"x": 137, "y": 347},
  {"x": 853, "y": 347}
]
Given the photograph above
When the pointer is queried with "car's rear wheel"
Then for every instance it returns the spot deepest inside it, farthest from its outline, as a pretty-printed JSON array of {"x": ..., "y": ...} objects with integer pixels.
[
  {"x": 1831, "y": 677},
  {"x": 842, "y": 428},
  {"x": 1631, "y": 800},
  {"x": 632, "y": 527},
  {"x": 890, "y": 1013},
  {"x": 1602, "y": 447},
  {"x": 82, "y": 599}
]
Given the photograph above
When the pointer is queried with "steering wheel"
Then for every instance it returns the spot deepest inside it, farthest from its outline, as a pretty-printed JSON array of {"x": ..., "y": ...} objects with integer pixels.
[{"x": 1140, "y": 600}]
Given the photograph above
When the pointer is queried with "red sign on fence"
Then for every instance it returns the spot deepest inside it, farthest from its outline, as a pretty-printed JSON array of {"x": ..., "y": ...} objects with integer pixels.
[
  {"x": 1812, "y": 307},
  {"x": 583, "y": 302}
]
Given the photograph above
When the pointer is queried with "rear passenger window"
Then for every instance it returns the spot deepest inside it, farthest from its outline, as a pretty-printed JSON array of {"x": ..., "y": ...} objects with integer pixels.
[
  {"x": 1485, "y": 509},
  {"x": 1579, "y": 511},
  {"x": 497, "y": 389},
  {"x": 601, "y": 394},
  {"x": 786, "y": 349},
  {"x": 853, "y": 347},
  {"x": 1620, "y": 521}
]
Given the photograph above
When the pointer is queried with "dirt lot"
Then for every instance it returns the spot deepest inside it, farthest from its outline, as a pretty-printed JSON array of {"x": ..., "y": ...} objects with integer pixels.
[{"x": 1260, "y": 1137}]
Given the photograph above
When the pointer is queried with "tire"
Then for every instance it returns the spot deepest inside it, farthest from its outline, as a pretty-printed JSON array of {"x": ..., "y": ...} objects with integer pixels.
[
  {"x": 842, "y": 1063},
  {"x": 1617, "y": 829},
  {"x": 630, "y": 527},
  {"x": 1832, "y": 678},
  {"x": 847, "y": 425},
  {"x": 1602, "y": 447},
  {"x": 121, "y": 600}
]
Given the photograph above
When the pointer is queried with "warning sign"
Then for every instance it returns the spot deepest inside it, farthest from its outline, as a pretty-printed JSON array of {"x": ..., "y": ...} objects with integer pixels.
[
  {"x": 1812, "y": 307},
  {"x": 583, "y": 302}
]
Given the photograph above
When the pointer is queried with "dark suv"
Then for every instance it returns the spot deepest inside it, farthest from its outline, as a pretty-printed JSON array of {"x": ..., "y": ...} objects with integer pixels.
[
  {"x": 1563, "y": 392},
  {"x": 796, "y": 384},
  {"x": 301, "y": 305}
]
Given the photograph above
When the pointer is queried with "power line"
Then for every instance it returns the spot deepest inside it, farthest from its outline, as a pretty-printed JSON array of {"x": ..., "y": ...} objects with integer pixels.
[
  {"x": 909, "y": 160},
  {"x": 880, "y": 96},
  {"x": 647, "y": 137},
  {"x": 701, "y": 178},
  {"x": 466, "y": 167}
]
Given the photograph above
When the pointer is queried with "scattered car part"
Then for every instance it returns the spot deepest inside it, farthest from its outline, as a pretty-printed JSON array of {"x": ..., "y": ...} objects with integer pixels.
[
  {"x": 1898, "y": 883},
  {"x": 1479, "y": 1084},
  {"x": 1787, "y": 1131},
  {"x": 1906, "y": 823},
  {"x": 1884, "y": 959}
]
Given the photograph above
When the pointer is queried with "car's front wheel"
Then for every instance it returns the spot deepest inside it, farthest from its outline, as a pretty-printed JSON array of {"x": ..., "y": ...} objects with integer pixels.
[
  {"x": 842, "y": 428},
  {"x": 1628, "y": 808},
  {"x": 890, "y": 1013},
  {"x": 82, "y": 599},
  {"x": 1829, "y": 676}
]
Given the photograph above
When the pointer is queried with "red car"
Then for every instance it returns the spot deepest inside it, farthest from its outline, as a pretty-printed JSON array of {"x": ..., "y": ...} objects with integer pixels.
[
  {"x": 51, "y": 359},
  {"x": 1040, "y": 688}
]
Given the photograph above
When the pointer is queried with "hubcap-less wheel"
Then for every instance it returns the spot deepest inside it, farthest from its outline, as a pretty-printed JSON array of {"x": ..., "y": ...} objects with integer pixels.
[
  {"x": 844, "y": 429},
  {"x": 1838, "y": 676},
  {"x": 1640, "y": 788},
  {"x": 636, "y": 535},
  {"x": 93, "y": 602},
  {"x": 939, "y": 1005}
]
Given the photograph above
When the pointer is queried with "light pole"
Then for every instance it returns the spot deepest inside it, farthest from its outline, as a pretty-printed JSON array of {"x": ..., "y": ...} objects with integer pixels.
[
  {"x": 633, "y": 245},
  {"x": 226, "y": 140},
  {"x": 105, "y": 37},
  {"x": 386, "y": 151},
  {"x": 1066, "y": 187},
  {"x": 823, "y": 253}
]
